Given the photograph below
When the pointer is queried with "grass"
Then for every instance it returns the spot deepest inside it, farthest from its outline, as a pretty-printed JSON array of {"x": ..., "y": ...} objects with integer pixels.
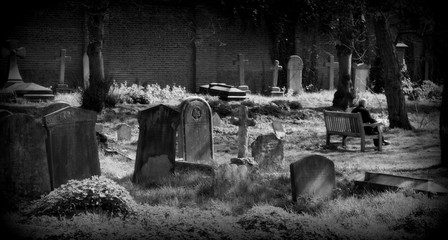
[{"x": 193, "y": 205}]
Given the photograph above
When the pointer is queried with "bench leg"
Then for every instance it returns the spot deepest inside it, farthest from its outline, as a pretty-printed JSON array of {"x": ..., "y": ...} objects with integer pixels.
[
  {"x": 363, "y": 144},
  {"x": 344, "y": 141},
  {"x": 328, "y": 139},
  {"x": 380, "y": 142}
]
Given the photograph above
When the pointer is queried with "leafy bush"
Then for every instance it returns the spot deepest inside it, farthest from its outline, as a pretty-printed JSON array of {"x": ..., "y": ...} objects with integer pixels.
[
  {"x": 427, "y": 90},
  {"x": 145, "y": 95},
  {"x": 94, "y": 97},
  {"x": 97, "y": 193}
]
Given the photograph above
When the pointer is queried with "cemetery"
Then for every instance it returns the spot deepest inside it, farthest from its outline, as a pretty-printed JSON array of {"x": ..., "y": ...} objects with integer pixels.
[{"x": 242, "y": 144}]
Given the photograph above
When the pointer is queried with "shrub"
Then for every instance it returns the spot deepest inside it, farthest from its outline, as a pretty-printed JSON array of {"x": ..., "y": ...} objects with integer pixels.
[
  {"x": 94, "y": 97},
  {"x": 97, "y": 193}
]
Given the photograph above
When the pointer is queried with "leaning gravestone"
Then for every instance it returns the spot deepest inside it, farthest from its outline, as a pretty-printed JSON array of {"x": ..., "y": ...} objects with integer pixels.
[
  {"x": 312, "y": 175},
  {"x": 156, "y": 148},
  {"x": 23, "y": 159},
  {"x": 124, "y": 132},
  {"x": 71, "y": 147},
  {"x": 196, "y": 131},
  {"x": 267, "y": 151},
  {"x": 295, "y": 67}
]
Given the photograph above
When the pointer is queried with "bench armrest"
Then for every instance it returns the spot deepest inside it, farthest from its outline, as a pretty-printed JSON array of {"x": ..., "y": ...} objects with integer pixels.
[{"x": 372, "y": 124}]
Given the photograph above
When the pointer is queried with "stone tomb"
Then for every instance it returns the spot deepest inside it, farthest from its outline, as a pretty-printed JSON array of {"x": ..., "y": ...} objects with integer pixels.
[
  {"x": 156, "y": 148},
  {"x": 23, "y": 159},
  {"x": 313, "y": 175},
  {"x": 267, "y": 151},
  {"x": 196, "y": 131},
  {"x": 71, "y": 145}
]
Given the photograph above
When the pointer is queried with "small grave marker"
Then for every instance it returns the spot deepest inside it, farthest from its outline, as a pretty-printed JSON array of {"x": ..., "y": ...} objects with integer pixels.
[
  {"x": 279, "y": 131},
  {"x": 156, "y": 148},
  {"x": 295, "y": 66},
  {"x": 124, "y": 132},
  {"x": 275, "y": 90},
  {"x": 312, "y": 175},
  {"x": 268, "y": 152},
  {"x": 216, "y": 120},
  {"x": 23, "y": 160},
  {"x": 243, "y": 139}
]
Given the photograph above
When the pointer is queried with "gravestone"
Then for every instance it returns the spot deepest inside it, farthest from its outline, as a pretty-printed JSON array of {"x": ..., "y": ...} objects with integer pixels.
[
  {"x": 243, "y": 122},
  {"x": 196, "y": 133},
  {"x": 13, "y": 52},
  {"x": 295, "y": 67},
  {"x": 216, "y": 120},
  {"x": 23, "y": 159},
  {"x": 360, "y": 75},
  {"x": 54, "y": 107},
  {"x": 331, "y": 66},
  {"x": 230, "y": 174},
  {"x": 156, "y": 147},
  {"x": 241, "y": 62},
  {"x": 99, "y": 128},
  {"x": 275, "y": 90},
  {"x": 62, "y": 87},
  {"x": 279, "y": 131},
  {"x": 124, "y": 132},
  {"x": 71, "y": 145},
  {"x": 267, "y": 151},
  {"x": 313, "y": 175}
]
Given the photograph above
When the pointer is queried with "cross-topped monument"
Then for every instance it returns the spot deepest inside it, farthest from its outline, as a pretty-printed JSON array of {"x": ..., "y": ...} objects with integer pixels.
[
  {"x": 275, "y": 91},
  {"x": 331, "y": 65},
  {"x": 243, "y": 122},
  {"x": 241, "y": 62},
  {"x": 62, "y": 87},
  {"x": 13, "y": 52}
]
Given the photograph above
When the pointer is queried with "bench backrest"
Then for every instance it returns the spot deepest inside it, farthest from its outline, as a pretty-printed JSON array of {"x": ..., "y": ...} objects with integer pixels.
[{"x": 344, "y": 123}]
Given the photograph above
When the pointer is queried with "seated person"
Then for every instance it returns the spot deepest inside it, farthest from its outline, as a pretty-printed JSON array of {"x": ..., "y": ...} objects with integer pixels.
[{"x": 366, "y": 118}]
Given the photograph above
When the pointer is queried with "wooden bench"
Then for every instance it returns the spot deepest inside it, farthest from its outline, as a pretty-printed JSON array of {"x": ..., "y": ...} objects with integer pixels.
[{"x": 350, "y": 125}]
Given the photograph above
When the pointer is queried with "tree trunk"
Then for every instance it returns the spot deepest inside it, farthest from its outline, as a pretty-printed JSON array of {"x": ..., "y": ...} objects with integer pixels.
[
  {"x": 396, "y": 104},
  {"x": 94, "y": 51}
]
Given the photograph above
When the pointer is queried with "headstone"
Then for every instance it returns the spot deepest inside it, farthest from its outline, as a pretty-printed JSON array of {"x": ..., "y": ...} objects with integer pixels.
[
  {"x": 23, "y": 159},
  {"x": 54, "y": 107},
  {"x": 13, "y": 52},
  {"x": 313, "y": 175},
  {"x": 124, "y": 132},
  {"x": 223, "y": 91},
  {"x": 196, "y": 131},
  {"x": 71, "y": 147},
  {"x": 401, "y": 53},
  {"x": 295, "y": 67},
  {"x": 275, "y": 90},
  {"x": 62, "y": 87},
  {"x": 331, "y": 66},
  {"x": 279, "y": 131},
  {"x": 156, "y": 147},
  {"x": 99, "y": 128},
  {"x": 230, "y": 174},
  {"x": 243, "y": 139},
  {"x": 360, "y": 75},
  {"x": 267, "y": 151},
  {"x": 216, "y": 120},
  {"x": 241, "y": 62}
]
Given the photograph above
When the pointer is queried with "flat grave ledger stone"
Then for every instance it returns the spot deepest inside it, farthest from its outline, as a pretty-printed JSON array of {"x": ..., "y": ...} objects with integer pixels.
[
  {"x": 54, "y": 107},
  {"x": 71, "y": 145},
  {"x": 196, "y": 131},
  {"x": 223, "y": 91},
  {"x": 268, "y": 151},
  {"x": 156, "y": 147},
  {"x": 23, "y": 160},
  {"x": 295, "y": 67},
  {"x": 124, "y": 132},
  {"x": 312, "y": 175}
]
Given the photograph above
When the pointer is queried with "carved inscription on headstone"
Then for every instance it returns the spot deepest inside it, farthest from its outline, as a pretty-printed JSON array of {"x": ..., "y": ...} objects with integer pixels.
[
  {"x": 156, "y": 148},
  {"x": 313, "y": 175},
  {"x": 23, "y": 159},
  {"x": 71, "y": 145},
  {"x": 196, "y": 130}
]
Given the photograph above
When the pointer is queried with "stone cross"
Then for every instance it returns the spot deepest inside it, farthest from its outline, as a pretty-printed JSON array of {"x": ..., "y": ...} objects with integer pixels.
[
  {"x": 241, "y": 62},
  {"x": 243, "y": 122},
  {"x": 62, "y": 58},
  {"x": 276, "y": 68},
  {"x": 13, "y": 52},
  {"x": 331, "y": 65}
]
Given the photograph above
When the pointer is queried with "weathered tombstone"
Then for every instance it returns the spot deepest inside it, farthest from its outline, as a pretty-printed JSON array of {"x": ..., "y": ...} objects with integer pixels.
[
  {"x": 230, "y": 174},
  {"x": 275, "y": 90},
  {"x": 331, "y": 65},
  {"x": 196, "y": 133},
  {"x": 62, "y": 87},
  {"x": 267, "y": 151},
  {"x": 54, "y": 107},
  {"x": 279, "y": 131},
  {"x": 216, "y": 120},
  {"x": 243, "y": 139},
  {"x": 13, "y": 52},
  {"x": 241, "y": 62},
  {"x": 295, "y": 67},
  {"x": 360, "y": 75},
  {"x": 99, "y": 128},
  {"x": 313, "y": 175},
  {"x": 71, "y": 145},
  {"x": 124, "y": 132},
  {"x": 401, "y": 50},
  {"x": 23, "y": 160},
  {"x": 156, "y": 148}
]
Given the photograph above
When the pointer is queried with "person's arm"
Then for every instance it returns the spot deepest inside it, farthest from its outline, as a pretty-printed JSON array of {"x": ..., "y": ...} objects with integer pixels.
[{"x": 367, "y": 118}]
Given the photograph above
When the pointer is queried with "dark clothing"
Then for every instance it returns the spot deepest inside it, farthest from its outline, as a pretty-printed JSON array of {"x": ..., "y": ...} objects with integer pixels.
[{"x": 366, "y": 118}]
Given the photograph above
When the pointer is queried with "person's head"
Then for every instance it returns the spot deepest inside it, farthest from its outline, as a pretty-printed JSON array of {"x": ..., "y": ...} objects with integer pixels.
[{"x": 362, "y": 102}]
